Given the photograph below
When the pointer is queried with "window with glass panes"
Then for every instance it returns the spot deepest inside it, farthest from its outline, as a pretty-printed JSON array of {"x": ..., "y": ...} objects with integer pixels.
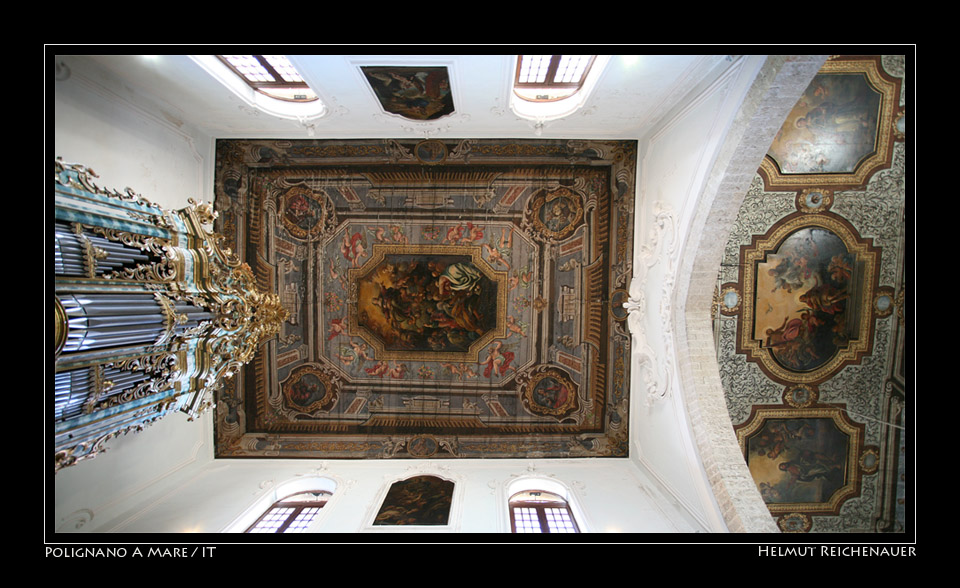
[
  {"x": 542, "y": 78},
  {"x": 536, "y": 511},
  {"x": 272, "y": 75},
  {"x": 292, "y": 514}
]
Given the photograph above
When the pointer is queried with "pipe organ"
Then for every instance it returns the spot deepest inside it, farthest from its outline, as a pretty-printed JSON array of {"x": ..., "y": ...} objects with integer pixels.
[{"x": 151, "y": 314}]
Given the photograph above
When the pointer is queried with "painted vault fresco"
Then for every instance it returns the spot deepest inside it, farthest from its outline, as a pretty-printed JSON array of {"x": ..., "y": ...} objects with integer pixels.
[
  {"x": 811, "y": 308},
  {"x": 446, "y": 298},
  {"x": 840, "y": 131}
]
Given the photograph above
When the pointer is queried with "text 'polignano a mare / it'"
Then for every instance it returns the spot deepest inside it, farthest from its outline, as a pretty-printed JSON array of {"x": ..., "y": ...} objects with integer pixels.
[{"x": 122, "y": 552}]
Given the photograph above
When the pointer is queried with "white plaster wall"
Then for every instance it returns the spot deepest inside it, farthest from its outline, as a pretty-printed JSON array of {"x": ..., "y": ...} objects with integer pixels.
[
  {"x": 127, "y": 139},
  {"x": 129, "y": 142},
  {"x": 674, "y": 162},
  {"x": 608, "y": 496}
]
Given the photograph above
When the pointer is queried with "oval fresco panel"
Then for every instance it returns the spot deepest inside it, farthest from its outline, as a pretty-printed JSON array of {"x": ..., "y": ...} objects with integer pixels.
[{"x": 804, "y": 293}]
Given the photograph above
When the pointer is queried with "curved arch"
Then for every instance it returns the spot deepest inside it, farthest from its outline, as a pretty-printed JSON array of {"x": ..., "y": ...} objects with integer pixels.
[{"x": 776, "y": 89}]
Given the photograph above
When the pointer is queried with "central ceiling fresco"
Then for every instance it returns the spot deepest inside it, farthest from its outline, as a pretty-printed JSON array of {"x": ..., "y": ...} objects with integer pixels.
[{"x": 446, "y": 298}]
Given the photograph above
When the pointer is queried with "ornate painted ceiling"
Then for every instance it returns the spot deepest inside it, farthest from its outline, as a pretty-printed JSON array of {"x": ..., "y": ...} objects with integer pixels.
[
  {"x": 447, "y": 298},
  {"x": 811, "y": 307}
]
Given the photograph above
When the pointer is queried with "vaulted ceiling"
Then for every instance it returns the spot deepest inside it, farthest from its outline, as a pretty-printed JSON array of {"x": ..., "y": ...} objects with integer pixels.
[
  {"x": 859, "y": 397},
  {"x": 631, "y": 95}
]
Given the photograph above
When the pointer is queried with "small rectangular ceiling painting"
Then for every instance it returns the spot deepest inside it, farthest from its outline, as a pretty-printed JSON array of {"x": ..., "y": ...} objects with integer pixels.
[{"x": 415, "y": 93}]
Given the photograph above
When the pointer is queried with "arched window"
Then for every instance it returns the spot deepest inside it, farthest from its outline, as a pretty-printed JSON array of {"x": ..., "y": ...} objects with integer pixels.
[
  {"x": 292, "y": 514},
  {"x": 539, "y": 511},
  {"x": 549, "y": 87},
  {"x": 544, "y": 78},
  {"x": 269, "y": 83},
  {"x": 272, "y": 75}
]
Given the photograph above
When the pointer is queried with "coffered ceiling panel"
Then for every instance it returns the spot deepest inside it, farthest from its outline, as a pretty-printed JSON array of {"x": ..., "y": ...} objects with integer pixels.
[{"x": 446, "y": 299}]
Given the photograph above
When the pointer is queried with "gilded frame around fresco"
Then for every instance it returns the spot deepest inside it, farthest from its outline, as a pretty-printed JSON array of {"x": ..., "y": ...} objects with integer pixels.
[
  {"x": 788, "y": 451},
  {"x": 751, "y": 258},
  {"x": 878, "y": 158},
  {"x": 353, "y": 203}
]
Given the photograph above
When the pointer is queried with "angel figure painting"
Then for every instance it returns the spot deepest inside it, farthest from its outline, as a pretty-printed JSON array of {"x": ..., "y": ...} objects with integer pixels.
[
  {"x": 421, "y": 303},
  {"x": 806, "y": 292},
  {"x": 417, "y": 93}
]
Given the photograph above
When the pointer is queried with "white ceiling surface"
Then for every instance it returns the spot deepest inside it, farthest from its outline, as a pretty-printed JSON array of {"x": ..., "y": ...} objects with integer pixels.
[{"x": 632, "y": 94}]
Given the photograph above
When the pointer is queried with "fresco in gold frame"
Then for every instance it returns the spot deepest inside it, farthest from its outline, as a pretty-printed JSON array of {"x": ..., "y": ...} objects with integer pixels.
[
  {"x": 840, "y": 132},
  {"x": 808, "y": 288},
  {"x": 803, "y": 460}
]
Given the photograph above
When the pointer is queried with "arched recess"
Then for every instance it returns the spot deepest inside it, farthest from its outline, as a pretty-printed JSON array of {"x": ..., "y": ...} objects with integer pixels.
[
  {"x": 776, "y": 89},
  {"x": 280, "y": 491}
]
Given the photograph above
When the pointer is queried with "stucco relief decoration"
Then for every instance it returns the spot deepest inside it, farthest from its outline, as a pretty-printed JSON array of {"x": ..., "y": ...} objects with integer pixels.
[
  {"x": 657, "y": 250},
  {"x": 445, "y": 298}
]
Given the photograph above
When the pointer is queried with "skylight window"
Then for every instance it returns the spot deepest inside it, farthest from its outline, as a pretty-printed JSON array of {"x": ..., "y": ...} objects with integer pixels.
[
  {"x": 544, "y": 78},
  {"x": 272, "y": 75}
]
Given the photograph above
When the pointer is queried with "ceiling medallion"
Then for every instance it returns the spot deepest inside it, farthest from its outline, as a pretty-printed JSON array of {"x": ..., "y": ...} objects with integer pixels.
[
  {"x": 432, "y": 152},
  {"x": 554, "y": 214},
  {"x": 549, "y": 392},
  {"x": 813, "y": 200},
  {"x": 794, "y": 523},
  {"x": 310, "y": 388},
  {"x": 304, "y": 212}
]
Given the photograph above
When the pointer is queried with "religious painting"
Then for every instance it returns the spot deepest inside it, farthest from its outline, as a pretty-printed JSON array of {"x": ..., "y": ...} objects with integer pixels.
[
  {"x": 555, "y": 213},
  {"x": 550, "y": 392},
  {"x": 808, "y": 288},
  {"x": 802, "y": 460},
  {"x": 831, "y": 129},
  {"x": 808, "y": 292},
  {"x": 416, "y": 93},
  {"x": 840, "y": 131},
  {"x": 420, "y": 303},
  {"x": 309, "y": 388},
  {"x": 421, "y": 500},
  {"x": 302, "y": 212},
  {"x": 449, "y": 299}
]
